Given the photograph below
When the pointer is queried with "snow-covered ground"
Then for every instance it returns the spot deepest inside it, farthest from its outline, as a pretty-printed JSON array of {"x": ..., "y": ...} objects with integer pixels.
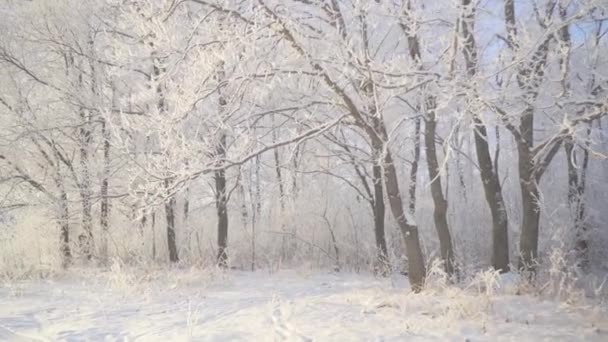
[{"x": 181, "y": 305}]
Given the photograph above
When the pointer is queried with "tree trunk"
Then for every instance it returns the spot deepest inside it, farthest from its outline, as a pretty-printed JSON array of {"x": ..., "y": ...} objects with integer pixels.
[
  {"x": 255, "y": 207},
  {"x": 529, "y": 228},
  {"x": 221, "y": 197},
  {"x": 294, "y": 174},
  {"x": 493, "y": 194},
  {"x": 529, "y": 78},
  {"x": 221, "y": 206},
  {"x": 414, "y": 167},
  {"x": 488, "y": 170},
  {"x": 64, "y": 223},
  {"x": 105, "y": 206},
  {"x": 186, "y": 222},
  {"x": 409, "y": 231},
  {"x": 243, "y": 196},
  {"x": 142, "y": 227},
  {"x": 86, "y": 241},
  {"x": 582, "y": 244},
  {"x": 576, "y": 183},
  {"x": 441, "y": 205},
  {"x": 576, "y": 192},
  {"x": 528, "y": 244},
  {"x": 170, "y": 215},
  {"x": 153, "y": 236},
  {"x": 277, "y": 168},
  {"x": 85, "y": 195},
  {"x": 85, "y": 183},
  {"x": 383, "y": 264}
]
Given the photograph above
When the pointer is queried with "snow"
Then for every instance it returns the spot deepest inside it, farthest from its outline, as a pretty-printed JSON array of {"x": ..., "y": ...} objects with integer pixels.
[{"x": 183, "y": 305}]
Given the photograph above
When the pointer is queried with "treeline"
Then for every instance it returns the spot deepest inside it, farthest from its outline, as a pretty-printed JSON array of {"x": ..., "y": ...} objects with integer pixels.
[{"x": 297, "y": 125}]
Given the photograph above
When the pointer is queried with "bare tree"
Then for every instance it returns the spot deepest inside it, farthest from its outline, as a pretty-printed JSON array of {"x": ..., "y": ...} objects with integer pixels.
[
  {"x": 488, "y": 168},
  {"x": 535, "y": 158},
  {"x": 429, "y": 106}
]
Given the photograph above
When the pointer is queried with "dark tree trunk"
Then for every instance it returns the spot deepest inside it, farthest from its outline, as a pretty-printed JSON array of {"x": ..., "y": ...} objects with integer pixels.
[
  {"x": 529, "y": 78},
  {"x": 186, "y": 207},
  {"x": 409, "y": 231},
  {"x": 153, "y": 225},
  {"x": 221, "y": 206},
  {"x": 383, "y": 266},
  {"x": 142, "y": 227},
  {"x": 528, "y": 244},
  {"x": 170, "y": 202},
  {"x": 277, "y": 168},
  {"x": 294, "y": 178},
  {"x": 529, "y": 170},
  {"x": 86, "y": 240},
  {"x": 221, "y": 196},
  {"x": 493, "y": 194},
  {"x": 441, "y": 205},
  {"x": 440, "y": 211},
  {"x": 529, "y": 228},
  {"x": 186, "y": 221},
  {"x": 222, "y": 224},
  {"x": 255, "y": 195},
  {"x": 64, "y": 224},
  {"x": 244, "y": 206},
  {"x": 105, "y": 205},
  {"x": 459, "y": 170},
  {"x": 170, "y": 215},
  {"x": 488, "y": 170},
  {"x": 582, "y": 242},
  {"x": 576, "y": 203},
  {"x": 414, "y": 167},
  {"x": 85, "y": 196},
  {"x": 576, "y": 182},
  {"x": 64, "y": 214},
  {"x": 85, "y": 186}
]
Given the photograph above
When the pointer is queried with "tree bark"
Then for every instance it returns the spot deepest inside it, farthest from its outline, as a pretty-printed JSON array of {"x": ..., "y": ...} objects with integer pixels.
[
  {"x": 255, "y": 195},
  {"x": 170, "y": 215},
  {"x": 64, "y": 224},
  {"x": 440, "y": 210},
  {"x": 277, "y": 168},
  {"x": 105, "y": 205},
  {"x": 85, "y": 191},
  {"x": 85, "y": 137},
  {"x": 379, "y": 212},
  {"x": 493, "y": 194},
  {"x": 153, "y": 225},
  {"x": 576, "y": 183},
  {"x": 528, "y": 243},
  {"x": 414, "y": 167},
  {"x": 576, "y": 203},
  {"x": 185, "y": 220},
  {"x": 221, "y": 206},
  {"x": 488, "y": 171},
  {"x": 441, "y": 205},
  {"x": 409, "y": 231},
  {"x": 221, "y": 196},
  {"x": 170, "y": 202},
  {"x": 529, "y": 78}
]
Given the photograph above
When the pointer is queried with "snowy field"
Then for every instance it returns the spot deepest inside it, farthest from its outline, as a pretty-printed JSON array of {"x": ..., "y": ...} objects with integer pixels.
[{"x": 183, "y": 305}]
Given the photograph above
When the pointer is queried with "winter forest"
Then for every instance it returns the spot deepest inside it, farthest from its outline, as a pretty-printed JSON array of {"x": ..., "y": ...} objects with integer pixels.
[{"x": 356, "y": 169}]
